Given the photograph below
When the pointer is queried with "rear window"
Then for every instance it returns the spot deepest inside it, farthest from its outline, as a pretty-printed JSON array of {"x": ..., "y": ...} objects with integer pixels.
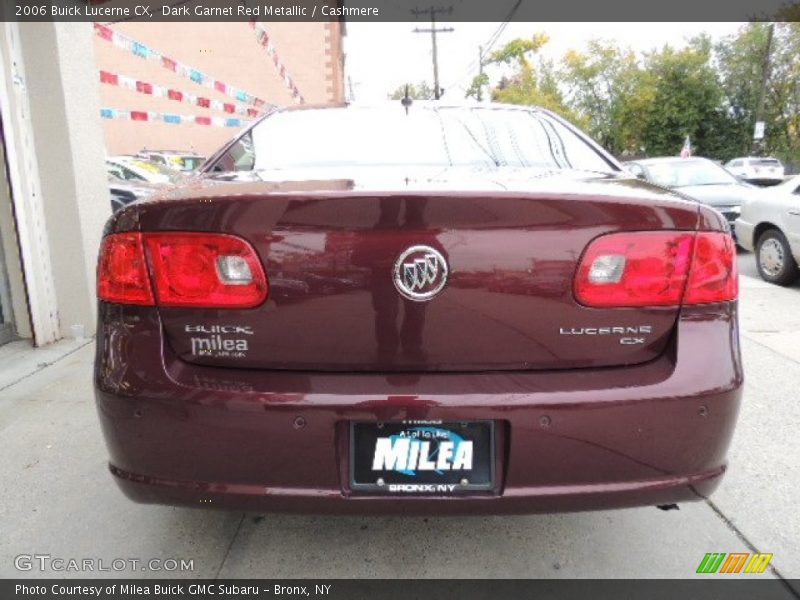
[
  {"x": 440, "y": 137},
  {"x": 765, "y": 162}
]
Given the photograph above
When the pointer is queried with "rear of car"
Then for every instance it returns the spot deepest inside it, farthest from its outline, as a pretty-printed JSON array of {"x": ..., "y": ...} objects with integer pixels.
[
  {"x": 178, "y": 161},
  {"x": 139, "y": 170},
  {"x": 758, "y": 170},
  {"x": 497, "y": 322}
]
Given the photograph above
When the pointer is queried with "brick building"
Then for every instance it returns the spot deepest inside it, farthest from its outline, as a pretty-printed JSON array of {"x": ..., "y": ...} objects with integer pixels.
[{"x": 311, "y": 52}]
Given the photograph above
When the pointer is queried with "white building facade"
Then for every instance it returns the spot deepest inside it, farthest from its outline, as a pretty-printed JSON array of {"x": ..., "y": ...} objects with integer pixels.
[{"x": 54, "y": 196}]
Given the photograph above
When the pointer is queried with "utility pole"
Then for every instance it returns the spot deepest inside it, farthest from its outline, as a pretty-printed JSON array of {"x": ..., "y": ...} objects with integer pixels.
[
  {"x": 437, "y": 91},
  {"x": 758, "y": 136}
]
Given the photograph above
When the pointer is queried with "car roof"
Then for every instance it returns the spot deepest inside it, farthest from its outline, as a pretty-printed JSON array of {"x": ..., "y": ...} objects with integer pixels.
[
  {"x": 415, "y": 103},
  {"x": 125, "y": 158},
  {"x": 791, "y": 182},
  {"x": 668, "y": 159}
]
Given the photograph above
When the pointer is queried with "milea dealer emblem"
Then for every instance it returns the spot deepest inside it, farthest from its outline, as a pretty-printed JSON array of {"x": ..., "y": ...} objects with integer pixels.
[{"x": 420, "y": 273}]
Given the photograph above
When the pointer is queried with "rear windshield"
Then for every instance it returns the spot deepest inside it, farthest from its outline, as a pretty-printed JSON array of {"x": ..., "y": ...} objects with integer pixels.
[
  {"x": 765, "y": 162},
  {"x": 365, "y": 137}
]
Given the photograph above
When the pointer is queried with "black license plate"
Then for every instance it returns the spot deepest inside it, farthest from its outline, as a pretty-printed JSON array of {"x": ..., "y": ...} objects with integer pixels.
[{"x": 426, "y": 458}]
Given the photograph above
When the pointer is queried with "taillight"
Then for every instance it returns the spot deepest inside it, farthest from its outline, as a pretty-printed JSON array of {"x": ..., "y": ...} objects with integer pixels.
[
  {"x": 189, "y": 269},
  {"x": 657, "y": 268},
  {"x": 122, "y": 270},
  {"x": 205, "y": 269},
  {"x": 713, "y": 277}
]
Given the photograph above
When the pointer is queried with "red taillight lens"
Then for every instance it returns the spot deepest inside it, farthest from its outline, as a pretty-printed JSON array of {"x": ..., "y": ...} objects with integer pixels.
[
  {"x": 713, "y": 277},
  {"x": 188, "y": 269},
  {"x": 635, "y": 269},
  {"x": 122, "y": 270},
  {"x": 657, "y": 268},
  {"x": 208, "y": 270}
]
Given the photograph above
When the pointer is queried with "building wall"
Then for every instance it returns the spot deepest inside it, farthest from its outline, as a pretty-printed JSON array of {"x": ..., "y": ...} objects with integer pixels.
[
  {"x": 57, "y": 200},
  {"x": 312, "y": 53},
  {"x": 68, "y": 139}
]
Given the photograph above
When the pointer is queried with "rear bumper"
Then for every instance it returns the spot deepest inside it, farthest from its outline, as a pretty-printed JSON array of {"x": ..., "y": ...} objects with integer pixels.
[
  {"x": 513, "y": 500},
  {"x": 648, "y": 434},
  {"x": 765, "y": 179}
]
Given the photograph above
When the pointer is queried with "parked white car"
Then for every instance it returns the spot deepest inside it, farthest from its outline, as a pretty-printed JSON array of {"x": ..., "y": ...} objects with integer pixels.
[
  {"x": 770, "y": 226},
  {"x": 755, "y": 169},
  {"x": 130, "y": 168}
]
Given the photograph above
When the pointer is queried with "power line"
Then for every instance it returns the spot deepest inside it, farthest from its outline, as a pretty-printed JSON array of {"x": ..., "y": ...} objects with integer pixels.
[{"x": 488, "y": 45}]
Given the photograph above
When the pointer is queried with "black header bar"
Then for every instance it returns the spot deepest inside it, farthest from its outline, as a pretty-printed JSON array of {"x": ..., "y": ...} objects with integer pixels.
[{"x": 110, "y": 11}]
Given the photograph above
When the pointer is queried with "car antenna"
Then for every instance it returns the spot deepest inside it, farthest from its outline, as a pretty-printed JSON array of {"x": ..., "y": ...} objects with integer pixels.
[{"x": 406, "y": 100}]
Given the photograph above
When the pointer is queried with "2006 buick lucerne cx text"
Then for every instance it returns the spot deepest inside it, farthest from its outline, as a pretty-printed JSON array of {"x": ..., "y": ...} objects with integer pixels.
[{"x": 421, "y": 309}]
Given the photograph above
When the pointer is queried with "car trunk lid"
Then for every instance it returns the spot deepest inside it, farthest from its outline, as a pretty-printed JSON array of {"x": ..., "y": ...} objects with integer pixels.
[{"x": 331, "y": 251}]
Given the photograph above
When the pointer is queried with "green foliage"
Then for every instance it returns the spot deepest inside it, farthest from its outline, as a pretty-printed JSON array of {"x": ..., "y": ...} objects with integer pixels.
[
  {"x": 420, "y": 91},
  {"x": 533, "y": 83},
  {"x": 686, "y": 97},
  {"x": 606, "y": 87},
  {"x": 475, "y": 90},
  {"x": 648, "y": 104}
]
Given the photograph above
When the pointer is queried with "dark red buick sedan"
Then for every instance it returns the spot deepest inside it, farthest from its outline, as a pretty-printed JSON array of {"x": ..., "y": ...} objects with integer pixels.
[{"x": 417, "y": 309}]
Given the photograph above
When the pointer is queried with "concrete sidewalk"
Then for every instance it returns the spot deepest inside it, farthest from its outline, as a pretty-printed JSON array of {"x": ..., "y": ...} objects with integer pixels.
[{"x": 59, "y": 498}]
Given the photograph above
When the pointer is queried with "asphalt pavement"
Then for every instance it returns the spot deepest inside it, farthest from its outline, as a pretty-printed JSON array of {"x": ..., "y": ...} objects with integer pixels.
[{"x": 58, "y": 498}]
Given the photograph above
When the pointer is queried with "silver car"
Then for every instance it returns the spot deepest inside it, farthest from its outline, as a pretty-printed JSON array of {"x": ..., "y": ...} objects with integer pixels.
[
  {"x": 770, "y": 226},
  {"x": 701, "y": 179}
]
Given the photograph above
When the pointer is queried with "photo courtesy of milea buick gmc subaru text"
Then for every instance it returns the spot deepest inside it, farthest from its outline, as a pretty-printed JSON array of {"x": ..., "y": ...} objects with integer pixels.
[{"x": 417, "y": 308}]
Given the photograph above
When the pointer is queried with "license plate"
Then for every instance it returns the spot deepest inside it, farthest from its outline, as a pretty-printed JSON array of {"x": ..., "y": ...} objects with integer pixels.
[{"x": 422, "y": 458}]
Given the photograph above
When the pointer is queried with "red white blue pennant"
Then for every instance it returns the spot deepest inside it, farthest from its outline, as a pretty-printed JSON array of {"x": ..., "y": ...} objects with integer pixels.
[
  {"x": 265, "y": 42},
  {"x": 150, "y": 116},
  {"x": 152, "y": 89},
  {"x": 143, "y": 51}
]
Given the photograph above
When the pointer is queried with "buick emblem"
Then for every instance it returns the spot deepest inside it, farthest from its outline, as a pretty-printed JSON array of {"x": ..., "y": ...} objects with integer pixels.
[{"x": 420, "y": 273}]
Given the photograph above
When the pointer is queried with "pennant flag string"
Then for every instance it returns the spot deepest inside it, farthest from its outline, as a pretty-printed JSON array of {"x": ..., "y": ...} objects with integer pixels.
[
  {"x": 151, "y": 116},
  {"x": 265, "y": 42},
  {"x": 152, "y": 89},
  {"x": 108, "y": 34}
]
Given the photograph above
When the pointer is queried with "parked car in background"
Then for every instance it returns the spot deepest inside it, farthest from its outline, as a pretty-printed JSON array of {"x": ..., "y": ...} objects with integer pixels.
[
  {"x": 771, "y": 227},
  {"x": 174, "y": 159},
  {"x": 757, "y": 170},
  {"x": 124, "y": 192},
  {"x": 417, "y": 308},
  {"x": 699, "y": 178},
  {"x": 131, "y": 168}
]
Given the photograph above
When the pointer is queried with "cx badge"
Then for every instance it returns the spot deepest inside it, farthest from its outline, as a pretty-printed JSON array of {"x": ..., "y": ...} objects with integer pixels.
[{"x": 420, "y": 273}]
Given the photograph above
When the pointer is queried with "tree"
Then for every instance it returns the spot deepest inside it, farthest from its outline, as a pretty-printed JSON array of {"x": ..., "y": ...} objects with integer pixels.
[
  {"x": 686, "y": 100},
  {"x": 604, "y": 84},
  {"x": 741, "y": 63},
  {"x": 421, "y": 91},
  {"x": 740, "y": 60},
  {"x": 647, "y": 104},
  {"x": 475, "y": 89},
  {"x": 530, "y": 83}
]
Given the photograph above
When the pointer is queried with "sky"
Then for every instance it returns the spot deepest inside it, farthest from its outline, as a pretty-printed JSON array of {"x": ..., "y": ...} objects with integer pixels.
[{"x": 384, "y": 56}]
